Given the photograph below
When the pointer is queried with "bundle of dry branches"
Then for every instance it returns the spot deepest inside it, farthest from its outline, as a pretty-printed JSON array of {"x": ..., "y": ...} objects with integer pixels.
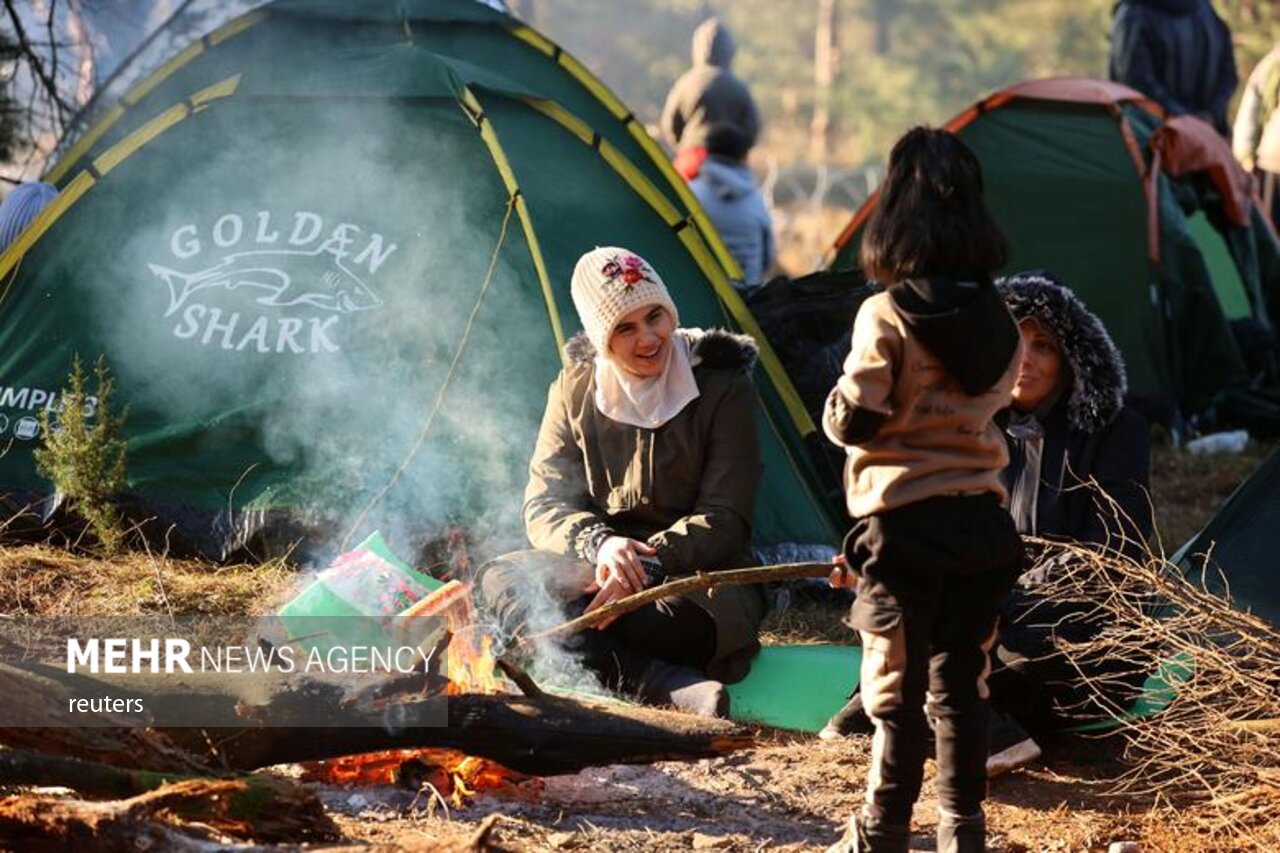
[{"x": 1210, "y": 761}]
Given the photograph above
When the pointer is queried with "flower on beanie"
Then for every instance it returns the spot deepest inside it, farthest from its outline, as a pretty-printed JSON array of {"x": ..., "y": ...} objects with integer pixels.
[{"x": 632, "y": 269}]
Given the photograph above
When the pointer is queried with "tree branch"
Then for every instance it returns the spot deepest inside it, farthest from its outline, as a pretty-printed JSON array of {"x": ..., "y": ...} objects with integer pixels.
[
  {"x": 699, "y": 581},
  {"x": 46, "y": 77}
]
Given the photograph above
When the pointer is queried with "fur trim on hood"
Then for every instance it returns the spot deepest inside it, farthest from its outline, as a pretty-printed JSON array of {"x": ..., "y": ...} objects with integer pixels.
[
  {"x": 1097, "y": 370},
  {"x": 714, "y": 348}
]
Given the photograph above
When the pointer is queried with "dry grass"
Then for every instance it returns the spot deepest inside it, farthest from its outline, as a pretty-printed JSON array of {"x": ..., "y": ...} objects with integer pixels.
[
  {"x": 1210, "y": 762},
  {"x": 808, "y": 620},
  {"x": 1187, "y": 490},
  {"x": 47, "y": 581}
]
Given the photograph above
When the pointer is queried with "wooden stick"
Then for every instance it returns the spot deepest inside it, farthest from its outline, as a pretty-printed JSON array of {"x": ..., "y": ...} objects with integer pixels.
[
  {"x": 693, "y": 583},
  {"x": 522, "y": 679}
]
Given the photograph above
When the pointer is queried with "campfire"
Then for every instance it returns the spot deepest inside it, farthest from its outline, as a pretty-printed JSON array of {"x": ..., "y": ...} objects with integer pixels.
[
  {"x": 452, "y": 775},
  {"x": 471, "y": 669}
]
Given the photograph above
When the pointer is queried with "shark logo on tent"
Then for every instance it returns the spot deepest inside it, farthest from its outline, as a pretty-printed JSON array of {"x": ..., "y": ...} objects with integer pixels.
[
  {"x": 269, "y": 291},
  {"x": 314, "y": 278}
]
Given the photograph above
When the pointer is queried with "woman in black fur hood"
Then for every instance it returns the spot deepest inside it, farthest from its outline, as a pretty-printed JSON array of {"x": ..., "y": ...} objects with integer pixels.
[
  {"x": 1079, "y": 468},
  {"x": 1072, "y": 426}
]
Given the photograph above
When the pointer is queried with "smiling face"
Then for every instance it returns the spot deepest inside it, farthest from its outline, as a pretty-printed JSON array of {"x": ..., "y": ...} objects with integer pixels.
[
  {"x": 1040, "y": 370},
  {"x": 641, "y": 342}
]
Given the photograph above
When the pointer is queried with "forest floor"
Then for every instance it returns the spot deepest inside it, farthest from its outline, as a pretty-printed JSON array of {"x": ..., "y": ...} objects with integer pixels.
[{"x": 789, "y": 792}]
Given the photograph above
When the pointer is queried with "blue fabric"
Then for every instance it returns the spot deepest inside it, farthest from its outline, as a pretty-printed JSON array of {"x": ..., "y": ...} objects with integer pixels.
[
  {"x": 20, "y": 206},
  {"x": 728, "y": 192}
]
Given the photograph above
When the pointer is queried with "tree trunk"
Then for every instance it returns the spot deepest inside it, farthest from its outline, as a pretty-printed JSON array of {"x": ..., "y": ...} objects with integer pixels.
[
  {"x": 884, "y": 11},
  {"x": 826, "y": 64}
]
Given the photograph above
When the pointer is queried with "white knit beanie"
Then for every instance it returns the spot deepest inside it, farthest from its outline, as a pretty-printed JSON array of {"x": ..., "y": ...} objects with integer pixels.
[{"x": 608, "y": 283}]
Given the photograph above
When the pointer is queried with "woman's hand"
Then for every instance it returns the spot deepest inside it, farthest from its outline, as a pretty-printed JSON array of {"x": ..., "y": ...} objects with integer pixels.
[
  {"x": 841, "y": 577},
  {"x": 611, "y": 591},
  {"x": 618, "y": 561}
]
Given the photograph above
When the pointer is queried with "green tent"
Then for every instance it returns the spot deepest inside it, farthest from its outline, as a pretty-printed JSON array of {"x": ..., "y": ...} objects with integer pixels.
[
  {"x": 326, "y": 253},
  {"x": 1073, "y": 179},
  {"x": 1236, "y": 549}
]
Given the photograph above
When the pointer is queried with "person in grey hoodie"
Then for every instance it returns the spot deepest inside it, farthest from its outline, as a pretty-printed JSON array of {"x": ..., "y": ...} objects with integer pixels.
[
  {"x": 727, "y": 190},
  {"x": 1178, "y": 53},
  {"x": 707, "y": 95}
]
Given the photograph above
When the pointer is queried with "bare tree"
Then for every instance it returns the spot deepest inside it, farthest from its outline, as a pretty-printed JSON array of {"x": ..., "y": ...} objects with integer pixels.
[
  {"x": 883, "y": 12},
  {"x": 826, "y": 65},
  {"x": 49, "y": 76}
]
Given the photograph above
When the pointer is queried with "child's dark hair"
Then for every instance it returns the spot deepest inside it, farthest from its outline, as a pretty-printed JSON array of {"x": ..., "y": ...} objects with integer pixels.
[{"x": 930, "y": 220}]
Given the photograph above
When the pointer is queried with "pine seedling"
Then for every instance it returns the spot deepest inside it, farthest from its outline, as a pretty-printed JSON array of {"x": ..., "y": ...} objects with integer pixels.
[{"x": 83, "y": 454}]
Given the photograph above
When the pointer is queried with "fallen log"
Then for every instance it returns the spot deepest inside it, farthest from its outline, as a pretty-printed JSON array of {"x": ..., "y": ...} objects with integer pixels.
[
  {"x": 541, "y": 735},
  {"x": 20, "y": 767},
  {"x": 36, "y": 693},
  {"x": 161, "y": 819},
  {"x": 257, "y": 807}
]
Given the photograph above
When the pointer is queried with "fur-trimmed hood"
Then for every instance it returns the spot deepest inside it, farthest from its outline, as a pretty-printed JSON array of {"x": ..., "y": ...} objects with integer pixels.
[
  {"x": 715, "y": 348},
  {"x": 1098, "y": 381}
]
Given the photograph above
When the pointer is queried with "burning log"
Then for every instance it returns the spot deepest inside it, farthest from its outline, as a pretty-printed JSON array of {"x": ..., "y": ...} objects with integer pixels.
[
  {"x": 450, "y": 774},
  {"x": 544, "y": 735}
]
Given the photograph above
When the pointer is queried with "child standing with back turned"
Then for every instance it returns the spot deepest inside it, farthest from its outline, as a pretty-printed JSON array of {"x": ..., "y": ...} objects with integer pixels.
[{"x": 934, "y": 553}]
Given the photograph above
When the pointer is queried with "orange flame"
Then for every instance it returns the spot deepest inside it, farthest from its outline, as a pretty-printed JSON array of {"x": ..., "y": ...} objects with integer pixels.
[
  {"x": 471, "y": 670},
  {"x": 452, "y": 774}
]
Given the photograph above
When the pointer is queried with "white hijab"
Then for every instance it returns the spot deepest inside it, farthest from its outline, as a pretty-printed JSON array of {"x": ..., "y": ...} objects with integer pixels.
[{"x": 647, "y": 401}]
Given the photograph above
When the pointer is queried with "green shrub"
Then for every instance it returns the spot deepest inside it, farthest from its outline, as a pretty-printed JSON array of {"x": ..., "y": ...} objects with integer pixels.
[{"x": 83, "y": 453}]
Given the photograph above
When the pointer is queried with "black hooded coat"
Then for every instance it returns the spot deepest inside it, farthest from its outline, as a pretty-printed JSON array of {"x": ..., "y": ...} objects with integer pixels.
[
  {"x": 1089, "y": 434},
  {"x": 1089, "y": 437},
  {"x": 1177, "y": 52}
]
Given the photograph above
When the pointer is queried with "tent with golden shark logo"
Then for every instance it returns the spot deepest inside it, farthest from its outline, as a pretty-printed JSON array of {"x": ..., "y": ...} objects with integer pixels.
[{"x": 326, "y": 251}]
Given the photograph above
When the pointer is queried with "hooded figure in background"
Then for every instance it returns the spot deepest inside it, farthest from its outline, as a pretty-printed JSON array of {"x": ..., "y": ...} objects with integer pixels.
[
  {"x": 727, "y": 190},
  {"x": 1069, "y": 425},
  {"x": 1178, "y": 53},
  {"x": 707, "y": 95}
]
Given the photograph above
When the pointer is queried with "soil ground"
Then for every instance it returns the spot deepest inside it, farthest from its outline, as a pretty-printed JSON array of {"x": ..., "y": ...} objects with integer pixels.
[{"x": 790, "y": 792}]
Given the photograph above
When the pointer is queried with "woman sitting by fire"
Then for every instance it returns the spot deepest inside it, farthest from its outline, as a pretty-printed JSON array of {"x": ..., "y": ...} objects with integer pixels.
[{"x": 646, "y": 466}]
